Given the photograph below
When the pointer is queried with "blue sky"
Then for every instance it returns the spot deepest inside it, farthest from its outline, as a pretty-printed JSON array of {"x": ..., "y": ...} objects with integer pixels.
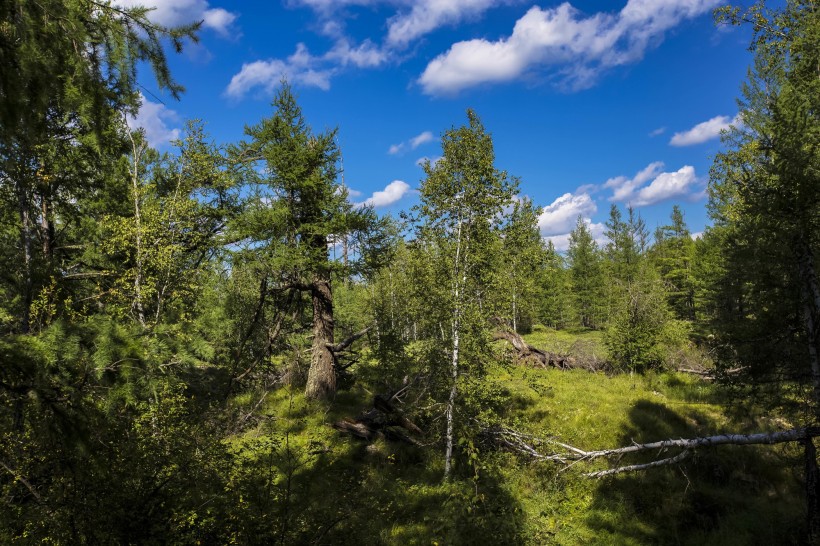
[{"x": 589, "y": 102}]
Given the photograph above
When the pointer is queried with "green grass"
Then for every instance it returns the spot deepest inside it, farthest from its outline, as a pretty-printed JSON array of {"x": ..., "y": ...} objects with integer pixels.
[{"x": 348, "y": 492}]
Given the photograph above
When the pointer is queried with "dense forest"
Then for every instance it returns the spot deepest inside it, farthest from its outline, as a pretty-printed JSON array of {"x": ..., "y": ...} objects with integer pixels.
[{"x": 216, "y": 346}]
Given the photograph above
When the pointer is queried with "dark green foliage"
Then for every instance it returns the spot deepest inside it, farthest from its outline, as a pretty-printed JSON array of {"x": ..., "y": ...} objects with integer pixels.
[
  {"x": 586, "y": 274},
  {"x": 635, "y": 337},
  {"x": 673, "y": 253}
]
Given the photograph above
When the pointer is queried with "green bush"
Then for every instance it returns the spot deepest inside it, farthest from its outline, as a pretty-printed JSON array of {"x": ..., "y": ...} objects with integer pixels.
[{"x": 641, "y": 328}]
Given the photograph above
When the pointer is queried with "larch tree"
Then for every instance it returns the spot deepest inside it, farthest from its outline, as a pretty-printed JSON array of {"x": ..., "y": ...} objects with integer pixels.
[{"x": 297, "y": 205}]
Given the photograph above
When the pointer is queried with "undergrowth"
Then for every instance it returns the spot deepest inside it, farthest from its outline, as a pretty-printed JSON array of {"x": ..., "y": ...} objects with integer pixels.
[{"x": 332, "y": 489}]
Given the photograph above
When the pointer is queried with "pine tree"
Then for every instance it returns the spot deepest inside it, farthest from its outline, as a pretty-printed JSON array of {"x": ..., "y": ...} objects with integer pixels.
[
  {"x": 673, "y": 253},
  {"x": 586, "y": 273}
]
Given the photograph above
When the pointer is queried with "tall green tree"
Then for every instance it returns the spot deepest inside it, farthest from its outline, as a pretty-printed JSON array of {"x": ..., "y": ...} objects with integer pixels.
[
  {"x": 586, "y": 273},
  {"x": 67, "y": 79},
  {"x": 462, "y": 199},
  {"x": 557, "y": 306},
  {"x": 296, "y": 206},
  {"x": 673, "y": 253},
  {"x": 522, "y": 258},
  {"x": 765, "y": 200}
]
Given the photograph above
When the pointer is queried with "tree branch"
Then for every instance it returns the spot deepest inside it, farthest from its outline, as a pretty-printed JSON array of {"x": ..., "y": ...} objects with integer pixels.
[{"x": 341, "y": 346}]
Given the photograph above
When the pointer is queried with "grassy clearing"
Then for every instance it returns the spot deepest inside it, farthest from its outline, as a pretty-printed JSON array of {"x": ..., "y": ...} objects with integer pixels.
[{"x": 349, "y": 492}]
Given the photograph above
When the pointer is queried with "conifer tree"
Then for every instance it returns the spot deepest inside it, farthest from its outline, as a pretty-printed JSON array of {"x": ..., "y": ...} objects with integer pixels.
[
  {"x": 297, "y": 205},
  {"x": 585, "y": 266}
]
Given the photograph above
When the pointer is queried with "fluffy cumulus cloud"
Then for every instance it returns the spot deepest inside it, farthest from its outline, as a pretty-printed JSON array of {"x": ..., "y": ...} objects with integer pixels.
[
  {"x": 580, "y": 46},
  {"x": 389, "y": 195},
  {"x": 302, "y": 68},
  {"x": 181, "y": 12},
  {"x": 154, "y": 118},
  {"x": 704, "y": 131},
  {"x": 560, "y": 216},
  {"x": 412, "y": 144},
  {"x": 561, "y": 242},
  {"x": 411, "y": 19},
  {"x": 651, "y": 185},
  {"x": 428, "y": 15}
]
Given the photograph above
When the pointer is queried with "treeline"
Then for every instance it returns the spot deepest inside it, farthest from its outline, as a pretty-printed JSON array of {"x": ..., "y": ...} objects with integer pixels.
[{"x": 147, "y": 297}]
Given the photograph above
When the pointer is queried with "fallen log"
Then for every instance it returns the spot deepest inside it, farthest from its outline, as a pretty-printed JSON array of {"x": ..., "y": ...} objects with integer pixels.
[
  {"x": 383, "y": 420},
  {"x": 529, "y": 445},
  {"x": 526, "y": 353}
]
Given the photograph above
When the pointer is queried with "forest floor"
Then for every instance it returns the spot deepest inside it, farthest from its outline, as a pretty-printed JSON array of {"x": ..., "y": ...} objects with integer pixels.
[{"x": 388, "y": 493}]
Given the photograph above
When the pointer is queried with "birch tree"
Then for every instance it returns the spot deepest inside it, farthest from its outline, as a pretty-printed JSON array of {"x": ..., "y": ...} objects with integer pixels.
[{"x": 462, "y": 199}]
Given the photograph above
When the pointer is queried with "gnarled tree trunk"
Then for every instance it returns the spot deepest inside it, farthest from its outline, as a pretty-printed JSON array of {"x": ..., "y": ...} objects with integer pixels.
[{"x": 321, "y": 383}]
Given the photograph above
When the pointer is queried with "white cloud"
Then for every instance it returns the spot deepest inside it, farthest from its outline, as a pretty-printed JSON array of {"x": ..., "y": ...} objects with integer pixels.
[
  {"x": 561, "y": 242},
  {"x": 428, "y": 15},
  {"x": 560, "y": 216},
  {"x": 657, "y": 132},
  {"x": 299, "y": 69},
  {"x": 582, "y": 46},
  {"x": 682, "y": 183},
  {"x": 366, "y": 55},
  {"x": 411, "y": 20},
  {"x": 182, "y": 12},
  {"x": 420, "y": 139},
  {"x": 303, "y": 68},
  {"x": 412, "y": 143},
  {"x": 623, "y": 188},
  {"x": 153, "y": 118},
  {"x": 704, "y": 131},
  {"x": 389, "y": 195}
]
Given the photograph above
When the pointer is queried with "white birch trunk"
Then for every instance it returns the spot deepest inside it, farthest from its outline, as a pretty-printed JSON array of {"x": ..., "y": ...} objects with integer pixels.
[{"x": 138, "y": 307}]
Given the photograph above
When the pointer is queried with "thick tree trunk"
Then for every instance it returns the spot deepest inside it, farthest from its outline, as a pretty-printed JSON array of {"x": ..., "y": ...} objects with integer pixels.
[{"x": 321, "y": 383}]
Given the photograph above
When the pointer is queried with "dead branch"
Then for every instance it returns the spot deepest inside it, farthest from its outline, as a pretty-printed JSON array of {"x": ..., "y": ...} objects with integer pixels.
[
  {"x": 383, "y": 420},
  {"x": 347, "y": 342},
  {"x": 632, "y": 468},
  {"x": 528, "y": 445},
  {"x": 526, "y": 353}
]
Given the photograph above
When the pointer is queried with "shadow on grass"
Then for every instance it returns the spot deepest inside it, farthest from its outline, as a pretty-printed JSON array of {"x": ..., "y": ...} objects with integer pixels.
[
  {"x": 724, "y": 495},
  {"x": 385, "y": 493},
  {"x": 300, "y": 485}
]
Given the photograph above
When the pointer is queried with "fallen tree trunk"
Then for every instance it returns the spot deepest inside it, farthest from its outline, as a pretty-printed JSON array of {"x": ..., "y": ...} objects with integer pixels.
[
  {"x": 384, "y": 420},
  {"x": 528, "y": 445},
  {"x": 526, "y": 353}
]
